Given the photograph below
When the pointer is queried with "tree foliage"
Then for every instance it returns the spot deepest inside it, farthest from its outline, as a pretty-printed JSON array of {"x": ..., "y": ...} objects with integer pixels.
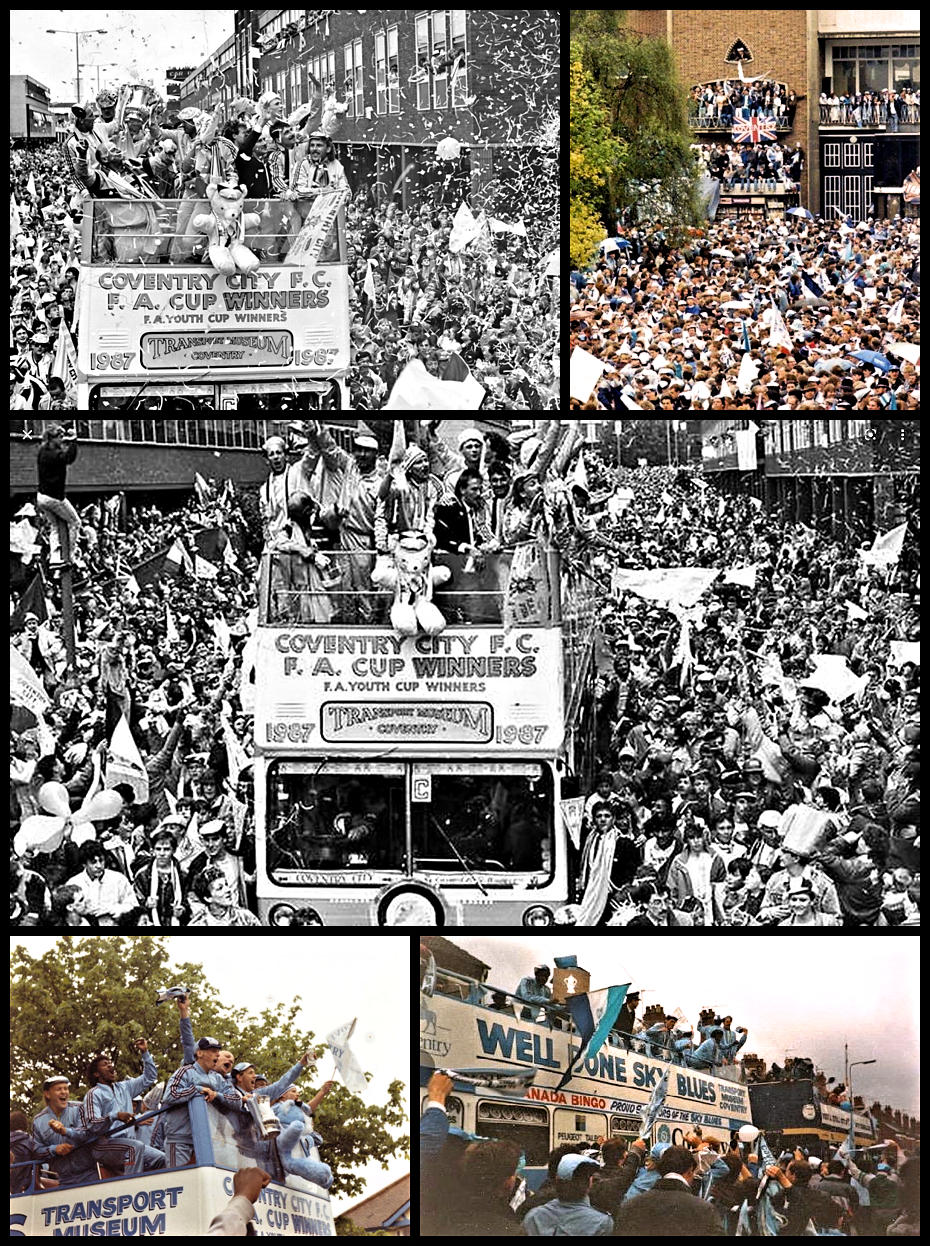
[
  {"x": 645, "y": 102},
  {"x": 95, "y": 996}
]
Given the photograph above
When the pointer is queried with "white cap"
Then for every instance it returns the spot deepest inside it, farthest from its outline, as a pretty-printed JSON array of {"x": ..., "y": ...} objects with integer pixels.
[{"x": 470, "y": 434}]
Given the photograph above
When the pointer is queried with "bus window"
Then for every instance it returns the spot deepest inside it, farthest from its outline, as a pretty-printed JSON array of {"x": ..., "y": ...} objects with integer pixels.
[
  {"x": 516, "y": 1122},
  {"x": 476, "y": 818},
  {"x": 570, "y": 1126},
  {"x": 333, "y": 818}
]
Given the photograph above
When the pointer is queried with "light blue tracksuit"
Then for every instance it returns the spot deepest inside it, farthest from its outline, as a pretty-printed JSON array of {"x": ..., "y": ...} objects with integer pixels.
[
  {"x": 183, "y": 1084},
  {"x": 705, "y": 1056},
  {"x": 79, "y": 1166},
  {"x": 101, "y": 1105},
  {"x": 530, "y": 990}
]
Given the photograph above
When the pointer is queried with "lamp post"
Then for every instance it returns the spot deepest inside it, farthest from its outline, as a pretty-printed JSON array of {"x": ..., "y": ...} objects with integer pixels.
[{"x": 77, "y": 55}]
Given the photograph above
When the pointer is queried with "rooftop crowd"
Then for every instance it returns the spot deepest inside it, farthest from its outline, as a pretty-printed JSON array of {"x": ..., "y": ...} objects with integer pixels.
[{"x": 750, "y": 317}]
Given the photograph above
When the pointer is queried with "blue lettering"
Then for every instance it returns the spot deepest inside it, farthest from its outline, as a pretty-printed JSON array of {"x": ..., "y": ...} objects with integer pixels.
[
  {"x": 606, "y": 1066},
  {"x": 516, "y": 1045},
  {"x": 644, "y": 1075},
  {"x": 546, "y": 1061},
  {"x": 494, "y": 1039},
  {"x": 696, "y": 1088}
]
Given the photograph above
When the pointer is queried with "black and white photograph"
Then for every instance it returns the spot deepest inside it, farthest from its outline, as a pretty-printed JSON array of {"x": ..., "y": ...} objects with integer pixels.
[
  {"x": 291, "y": 210},
  {"x": 490, "y": 673}
]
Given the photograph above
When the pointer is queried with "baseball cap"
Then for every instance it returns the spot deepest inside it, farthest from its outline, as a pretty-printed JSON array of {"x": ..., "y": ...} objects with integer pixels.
[
  {"x": 208, "y": 1044},
  {"x": 52, "y": 1081},
  {"x": 569, "y": 1165},
  {"x": 242, "y": 1066}
]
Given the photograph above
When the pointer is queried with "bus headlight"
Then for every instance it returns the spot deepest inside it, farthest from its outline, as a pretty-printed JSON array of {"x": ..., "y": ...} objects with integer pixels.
[
  {"x": 287, "y": 915},
  {"x": 538, "y": 916}
]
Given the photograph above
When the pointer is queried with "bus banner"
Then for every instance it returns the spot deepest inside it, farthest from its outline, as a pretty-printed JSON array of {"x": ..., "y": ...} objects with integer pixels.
[
  {"x": 317, "y": 690},
  {"x": 157, "y": 321}
]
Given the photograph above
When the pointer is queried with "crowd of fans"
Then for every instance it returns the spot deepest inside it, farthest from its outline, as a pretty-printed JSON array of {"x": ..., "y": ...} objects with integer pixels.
[
  {"x": 717, "y": 104},
  {"x": 490, "y": 303},
  {"x": 706, "y": 1186},
  {"x": 733, "y": 319},
  {"x": 747, "y": 164},
  {"x": 694, "y": 811},
  {"x": 890, "y": 108}
]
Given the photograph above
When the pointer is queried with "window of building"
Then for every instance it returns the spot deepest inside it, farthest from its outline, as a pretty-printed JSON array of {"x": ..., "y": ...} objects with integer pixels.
[
  {"x": 868, "y": 161},
  {"x": 852, "y": 188},
  {"x": 380, "y": 72},
  {"x": 294, "y": 82},
  {"x": 867, "y": 183},
  {"x": 393, "y": 71},
  {"x": 422, "y": 66},
  {"x": 873, "y": 73},
  {"x": 352, "y": 53},
  {"x": 831, "y": 195},
  {"x": 831, "y": 155},
  {"x": 440, "y": 60},
  {"x": 852, "y": 155},
  {"x": 459, "y": 54},
  {"x": 844, "y": 70}
]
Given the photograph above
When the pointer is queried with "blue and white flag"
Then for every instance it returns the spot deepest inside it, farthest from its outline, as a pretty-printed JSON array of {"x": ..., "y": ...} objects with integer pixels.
[
  {"x": 651, "y": 1111},
  {"x": 816, "y": 291},
  {"x": 594, "y": 1014}
]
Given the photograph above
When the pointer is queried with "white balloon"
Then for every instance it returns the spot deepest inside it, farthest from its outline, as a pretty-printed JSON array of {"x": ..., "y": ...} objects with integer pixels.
[
  {"x": 39, "y": 834},
  {"x": 748, "y": 1133},
  {"x": 53, "y": 797},
  {"x": 101, "y": 808}
]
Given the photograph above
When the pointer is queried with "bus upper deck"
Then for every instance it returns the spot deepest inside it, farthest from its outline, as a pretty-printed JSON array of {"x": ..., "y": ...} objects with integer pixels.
[
  {"x": 178, "y": 1202},
  {"x": 400, "y": 776},
  {"x": 485, "y": 1034},
  {"x": 159, "y": 322}
]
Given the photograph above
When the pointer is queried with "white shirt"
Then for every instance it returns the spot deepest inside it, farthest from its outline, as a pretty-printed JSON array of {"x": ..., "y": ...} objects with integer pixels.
[{"x": 110, "y": 893}]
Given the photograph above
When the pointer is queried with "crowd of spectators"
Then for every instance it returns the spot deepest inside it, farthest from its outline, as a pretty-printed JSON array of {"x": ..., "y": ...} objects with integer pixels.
[
  {"x": 704, "y": 1186},
  {"x": 716, "y": 105},
  {"x": 886, "y": 107},
  {"x": 699, "y": 326},
  {"x": 701, "y": 773},
  {"x": 745, "y": 164},
  {"x": 491, "y": 303}
]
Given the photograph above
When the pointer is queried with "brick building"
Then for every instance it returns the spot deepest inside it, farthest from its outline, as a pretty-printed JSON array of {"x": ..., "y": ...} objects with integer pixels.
[
  {"x": 410, "y": 78},
  {"x": 850, "y": 478},
  {"x": 847, "y": 166}
]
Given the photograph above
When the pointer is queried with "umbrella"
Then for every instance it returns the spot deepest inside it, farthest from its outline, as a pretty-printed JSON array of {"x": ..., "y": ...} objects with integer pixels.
[
  {"x": 906, "y": 350},
  {"x": 724, "y": 252},
  {"x": 828, "y": 365},
  {"x": 800, "y": 212},
  {"x": 872, "y": 356},
  {"x": 739, "y": 306}
]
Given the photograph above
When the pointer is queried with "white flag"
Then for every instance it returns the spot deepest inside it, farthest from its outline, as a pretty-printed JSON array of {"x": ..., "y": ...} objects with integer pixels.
[
  {"x": 464, "y": 228},
  {"x": 25, "y": 686},
  {"x": 124, "y": 762},
  {"x": 65, "y": 365},
  {"x": 779, "y": 335},
  {"x": 349, "y": 1068},
  {"x": 886, "y": 549},
  {"x": 204, "y": 570},
  {"x": 221, "y": 634},
  {"x": 172, "y": 634}
]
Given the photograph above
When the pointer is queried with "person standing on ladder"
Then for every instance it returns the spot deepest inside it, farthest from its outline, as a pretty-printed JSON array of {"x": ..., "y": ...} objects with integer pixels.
[{"x": 52, "y": 461}]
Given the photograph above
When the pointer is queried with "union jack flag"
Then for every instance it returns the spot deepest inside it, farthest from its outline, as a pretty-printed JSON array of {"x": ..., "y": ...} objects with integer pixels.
[{"x": 754, "y": 130}]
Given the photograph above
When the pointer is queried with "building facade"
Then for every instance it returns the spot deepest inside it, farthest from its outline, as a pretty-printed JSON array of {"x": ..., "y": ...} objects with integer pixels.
[
  {"x": 857, "y": 155},
  {"x": 409, "y": 79},
  {"x": 31, "y": 117},
  {"x": 385, "y": 1211},
  {"x": 851, "y": 479}
]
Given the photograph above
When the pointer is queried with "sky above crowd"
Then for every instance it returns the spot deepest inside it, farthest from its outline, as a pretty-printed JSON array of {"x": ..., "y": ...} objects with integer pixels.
[
  {"x": 336, "y": 977},
  {"x": 139, "y": 45},
  {"x": 795, "y": 995}
]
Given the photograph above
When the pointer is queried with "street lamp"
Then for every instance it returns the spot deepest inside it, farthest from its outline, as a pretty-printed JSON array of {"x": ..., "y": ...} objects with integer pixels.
[{"x": 77, "y": 55}]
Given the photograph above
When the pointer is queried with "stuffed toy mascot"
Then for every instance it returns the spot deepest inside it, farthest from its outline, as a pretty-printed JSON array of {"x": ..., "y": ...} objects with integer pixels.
[
  {"x": 413, "y": 581},
  {"x": 225, "y": 227}
]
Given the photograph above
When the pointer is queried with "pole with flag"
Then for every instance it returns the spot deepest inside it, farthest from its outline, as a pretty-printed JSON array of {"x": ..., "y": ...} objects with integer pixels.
[
  {"x": 594, "y": 1014},
  {"x": 654, "y": 1106}
]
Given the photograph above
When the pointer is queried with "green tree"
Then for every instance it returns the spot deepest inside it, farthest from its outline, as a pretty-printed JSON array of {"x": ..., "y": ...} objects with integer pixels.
[
  {"x": 594, "y": 157},
  {"x": 95, "y": 996},
  {"x": 646, "y": 107}
]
